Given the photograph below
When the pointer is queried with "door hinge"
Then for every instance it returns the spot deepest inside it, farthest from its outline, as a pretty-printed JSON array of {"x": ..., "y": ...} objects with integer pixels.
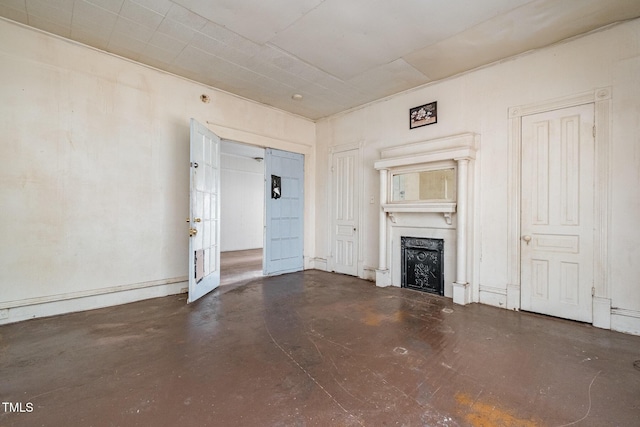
[
  {"x": 331, "y": 168},
  {"x": 593, "y": 292},
  {"x": 594, "y": 131}
]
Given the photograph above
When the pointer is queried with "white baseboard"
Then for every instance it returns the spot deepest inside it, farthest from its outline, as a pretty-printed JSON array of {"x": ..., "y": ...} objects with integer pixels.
[
  {"x": 318, "y": 264},
  {"x": 602, "y": 312},
  {"x": 623, "y": 320},
  {"x": 368, "y": 273},
  {"x": 16, "y": 311},
  {"x": 496, "y": 297}
]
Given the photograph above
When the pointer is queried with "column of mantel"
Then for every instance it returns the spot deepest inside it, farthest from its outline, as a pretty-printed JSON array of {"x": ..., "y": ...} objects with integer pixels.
[
  {"x": 461, "y": 291},
  {"x": 382, "y": 273}
]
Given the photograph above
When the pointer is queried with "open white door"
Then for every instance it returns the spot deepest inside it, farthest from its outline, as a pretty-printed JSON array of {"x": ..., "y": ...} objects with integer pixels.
[
  {"x": 204, "y": 212},
  {"x": 284, "y": 212}
]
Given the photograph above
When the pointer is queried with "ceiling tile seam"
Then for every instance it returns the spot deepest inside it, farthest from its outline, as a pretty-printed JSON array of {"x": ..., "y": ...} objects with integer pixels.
[
  {"x": 272, "y": 46},
  {"x": 30, "y": 22},
  {"x": 242, "y": 67},
  {"x": 390, "y": 62},
  {"x": 275, "y": 46},
  {"x": 280, "y": 49},
  {"x": 147, "y": 43},
  {"x": 268, "y": 44},
  {"x": 296, "y": 20},
  {"x": 114, "y": 22},
  {"x": 186, "y": 44},
  {"x": 227, "y": 29},
  {"x": 510, "y": 11},
  {"x": 45, "y": 17}
]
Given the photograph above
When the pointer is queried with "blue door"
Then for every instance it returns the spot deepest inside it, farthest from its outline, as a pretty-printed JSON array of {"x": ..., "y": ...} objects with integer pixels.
[{"x": 284, "y": 212}]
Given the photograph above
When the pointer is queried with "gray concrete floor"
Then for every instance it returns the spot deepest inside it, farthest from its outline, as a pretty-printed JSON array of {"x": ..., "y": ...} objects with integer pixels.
[{"x": 315, "y": 349}]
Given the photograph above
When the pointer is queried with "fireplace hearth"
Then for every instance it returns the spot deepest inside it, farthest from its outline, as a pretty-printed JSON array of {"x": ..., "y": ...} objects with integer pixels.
[{"x": 422, "y": 267}]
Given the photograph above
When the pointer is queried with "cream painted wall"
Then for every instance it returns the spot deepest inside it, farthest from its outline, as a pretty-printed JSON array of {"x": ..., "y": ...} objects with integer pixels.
[
  {"x": 478, "y": 102},
  {"x": 242, "y": 203},
  {"x": 94, "y": 173}
]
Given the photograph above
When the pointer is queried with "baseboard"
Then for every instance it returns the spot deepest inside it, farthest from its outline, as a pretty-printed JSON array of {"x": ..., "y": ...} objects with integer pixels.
[
  {"x": 496, "y": 297},
  {"x": 16, "y": 311},
  {"x": 602, "y": 312},
  {"x": 318, "y": 263},
  {"x": 513, "y": 296},
  {"x": 368, "y": 273},
  {"x": 627, "y": 321}
]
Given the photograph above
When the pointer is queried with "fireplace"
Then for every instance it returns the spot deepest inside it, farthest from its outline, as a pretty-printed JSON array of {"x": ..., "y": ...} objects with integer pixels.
[{"x": 422, "y": 260}]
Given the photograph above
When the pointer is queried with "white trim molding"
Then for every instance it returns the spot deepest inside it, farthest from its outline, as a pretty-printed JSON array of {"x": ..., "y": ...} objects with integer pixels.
[
  {"x": 15, "y": 311},
  {"x": 627, "y": 321},
  {"x": 601, "y": 99}
]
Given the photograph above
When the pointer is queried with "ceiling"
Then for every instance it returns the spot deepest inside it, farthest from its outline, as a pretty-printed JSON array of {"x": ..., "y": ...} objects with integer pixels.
[{"x": 337, "y": 54}]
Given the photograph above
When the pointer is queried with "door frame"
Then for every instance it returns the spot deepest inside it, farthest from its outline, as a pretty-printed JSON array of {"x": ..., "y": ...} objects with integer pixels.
[
  {"x": 601, "y": 99},
  {"x": 330, "y": 216}
]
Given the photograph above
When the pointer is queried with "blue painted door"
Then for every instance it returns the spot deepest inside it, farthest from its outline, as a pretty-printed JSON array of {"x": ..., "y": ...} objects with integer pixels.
[{"x": 284, "y": 212}]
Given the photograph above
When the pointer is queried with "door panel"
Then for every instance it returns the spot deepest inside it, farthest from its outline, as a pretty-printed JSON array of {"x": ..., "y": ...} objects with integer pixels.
[
  {"x": 557, "y": 212},
  {"x": 284, "y": 212},
  {"x": 204, "y": 212},
  {"x": 345, "y": 212}
]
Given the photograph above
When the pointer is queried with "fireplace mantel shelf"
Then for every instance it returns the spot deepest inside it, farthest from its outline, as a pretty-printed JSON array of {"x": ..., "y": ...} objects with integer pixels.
[{"x": 423, "y": 207}]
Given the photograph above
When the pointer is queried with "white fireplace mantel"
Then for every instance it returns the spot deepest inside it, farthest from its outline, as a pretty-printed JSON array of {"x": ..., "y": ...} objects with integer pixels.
[{"x": 457, "y": 149}]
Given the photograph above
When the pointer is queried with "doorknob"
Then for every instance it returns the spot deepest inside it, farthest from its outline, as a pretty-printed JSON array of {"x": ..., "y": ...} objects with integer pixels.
[
  {"x": 197, "y": 220},
  {"x": 526, "y": 238},
  {"x": 192, "y": 232}
]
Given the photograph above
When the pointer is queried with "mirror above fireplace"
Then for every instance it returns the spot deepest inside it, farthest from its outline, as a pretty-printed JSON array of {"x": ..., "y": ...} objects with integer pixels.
[{"x": 436, "y": 185}]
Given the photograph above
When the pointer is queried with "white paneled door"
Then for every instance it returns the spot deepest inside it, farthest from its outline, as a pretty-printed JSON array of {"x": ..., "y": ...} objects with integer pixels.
[
  {"x": 284, "y": 212},
  {"x": 204, "y": 212},
  {"x": 557, "y": 212},
  {"x": 345, "y": 212}
]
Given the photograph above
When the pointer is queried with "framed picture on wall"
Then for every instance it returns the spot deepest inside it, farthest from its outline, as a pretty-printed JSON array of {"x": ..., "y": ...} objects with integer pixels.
[{"x": 423, "y": 115}]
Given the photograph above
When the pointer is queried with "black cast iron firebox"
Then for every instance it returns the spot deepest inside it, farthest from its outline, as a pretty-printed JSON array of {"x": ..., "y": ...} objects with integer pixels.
[{"x": 422, "y": 264}]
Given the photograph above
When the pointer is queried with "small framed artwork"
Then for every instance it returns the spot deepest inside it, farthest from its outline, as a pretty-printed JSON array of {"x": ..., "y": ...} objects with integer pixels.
[
  {"x": 423, "y": 115},
  {"x": 276, "y": 187}
]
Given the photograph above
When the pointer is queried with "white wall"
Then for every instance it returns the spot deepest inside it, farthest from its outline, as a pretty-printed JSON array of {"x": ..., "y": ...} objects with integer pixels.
[
  {"x": 94, "y": 173},
  {"x": 242, "y": 203},
  {"x": 478, "y": 102}
]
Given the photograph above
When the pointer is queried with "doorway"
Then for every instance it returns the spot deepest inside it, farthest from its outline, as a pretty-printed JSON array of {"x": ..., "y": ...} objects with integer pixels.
[
  {"x": 262, "y": 220},
  {"x": 242, "y": 212}
]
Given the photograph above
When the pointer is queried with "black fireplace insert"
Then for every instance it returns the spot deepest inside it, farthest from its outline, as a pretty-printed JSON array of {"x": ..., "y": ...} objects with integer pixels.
[{"x": 422, "y": 260}]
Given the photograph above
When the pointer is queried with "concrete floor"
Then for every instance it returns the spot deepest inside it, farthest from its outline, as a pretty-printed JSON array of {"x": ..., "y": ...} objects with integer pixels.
[{"x": 316, "y": 349}]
